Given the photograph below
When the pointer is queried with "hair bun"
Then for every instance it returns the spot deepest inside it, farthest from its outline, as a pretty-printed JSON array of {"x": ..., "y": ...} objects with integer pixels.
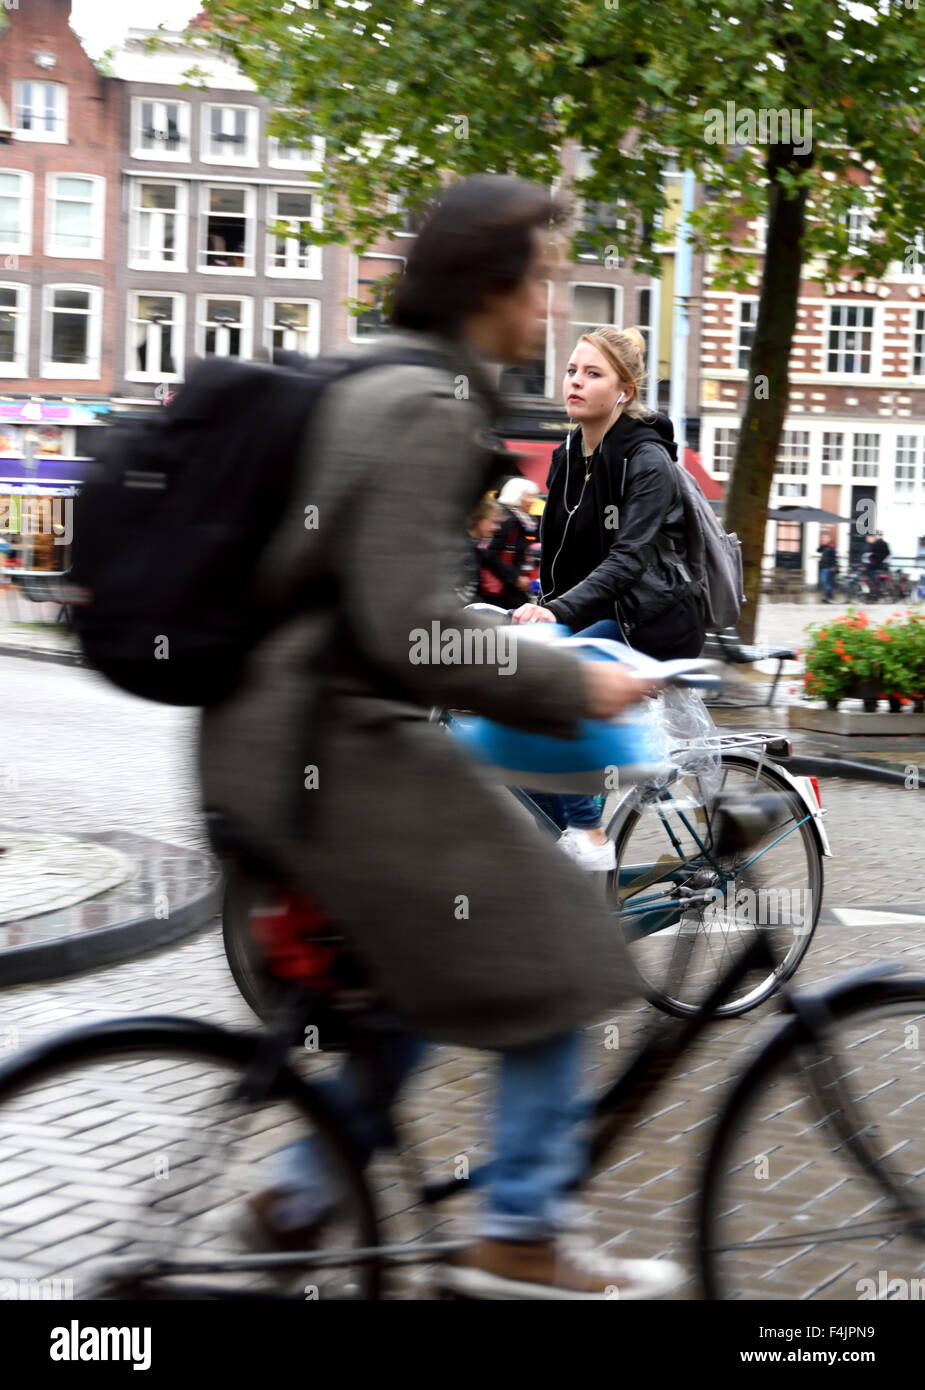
[{"x": 635, "y": 338}]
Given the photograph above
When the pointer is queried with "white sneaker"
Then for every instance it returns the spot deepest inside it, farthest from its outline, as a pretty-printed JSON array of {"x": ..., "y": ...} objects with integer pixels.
[
  {"x": 596, "y": 858},
  {"x": 496, "y": 1269}
]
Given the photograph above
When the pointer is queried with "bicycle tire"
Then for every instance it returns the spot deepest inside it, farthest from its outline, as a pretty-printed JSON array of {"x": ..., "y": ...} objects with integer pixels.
[
  {"x": 186, "y": 1041},
  {"x": 784, "y": 1060},
  {"x": 768, "y": 780},
  {"x": 245, "y": 961}
]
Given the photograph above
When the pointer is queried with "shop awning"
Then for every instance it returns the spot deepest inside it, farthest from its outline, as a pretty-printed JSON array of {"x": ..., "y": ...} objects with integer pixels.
[{"x": 534, "y": 456}]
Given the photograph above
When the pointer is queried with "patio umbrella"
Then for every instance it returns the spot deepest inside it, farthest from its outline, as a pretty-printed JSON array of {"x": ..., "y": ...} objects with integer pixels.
[{"x": 804, "y": 514}]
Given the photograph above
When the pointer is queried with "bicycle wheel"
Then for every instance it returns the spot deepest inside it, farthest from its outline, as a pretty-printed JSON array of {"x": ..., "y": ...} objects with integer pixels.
[
  {"x": 685, "y": 913},
  {"x": 127, "y": 1142},
  {"x": 787, "y": 1208}
]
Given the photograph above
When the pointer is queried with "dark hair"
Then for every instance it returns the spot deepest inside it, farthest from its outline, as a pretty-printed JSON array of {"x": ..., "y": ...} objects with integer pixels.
[{"x": 476, "y": 241}]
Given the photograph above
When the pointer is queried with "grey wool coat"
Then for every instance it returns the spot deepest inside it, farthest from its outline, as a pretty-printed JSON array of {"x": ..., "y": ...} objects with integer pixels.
[{"x": 476, "y": 928}]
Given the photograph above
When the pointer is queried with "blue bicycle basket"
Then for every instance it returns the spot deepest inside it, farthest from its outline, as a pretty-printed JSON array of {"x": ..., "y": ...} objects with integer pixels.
[{"x": 627, "y": 744}]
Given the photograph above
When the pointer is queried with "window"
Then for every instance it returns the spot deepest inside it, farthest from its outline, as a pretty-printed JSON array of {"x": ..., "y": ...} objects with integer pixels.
[
  {"x": 865, "y": 455},
  {"x": 228, "y": 229},
  {"x": 599, "y": 228},
  {"x": 907, "y": 448},
  {"x": 748, "y": 317},
  {"x": 858, "y": 222},
  {"x": 793, "y": 453},
  {"x": 224, "y": 328},
  {"x": 725, "y": 442},
  {"x": 531, "y": 378},
  {"x": 15, "y": 211},
  {"x": 75, "y": 215},
  {"x": 285, "y": 154},
  {"x": 155, "y": 337},
  {"x": 41, "y": 111},
  {"x": 598, "y": 223},
  {"x": 833, "y": 448},
  {"x": 71, "y": 337},
  {"x": 594, "y": 306},
  {"x": 918, "y": 343},
  {"x": 850, "y": 339},
  {"x": 158, "y": 226},
  {"x": 14, "y": 329},
  {"x": 374, "y": 276},
  {"x": 292, "y": 254},
  {"x": 293, "y": 326},
  {"x": 160, "y": 129},
  {"x": 229, "y": 134}
]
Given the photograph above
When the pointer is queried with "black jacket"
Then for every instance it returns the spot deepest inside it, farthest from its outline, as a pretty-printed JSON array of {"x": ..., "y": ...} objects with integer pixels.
[
  {"x": 879, "y": 552},
  {"x": 622, "y": 552},
  {"x": 504, "y": 556}
]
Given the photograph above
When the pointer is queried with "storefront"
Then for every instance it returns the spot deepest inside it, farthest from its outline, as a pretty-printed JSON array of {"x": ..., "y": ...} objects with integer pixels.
[{"x": 44, "y": 457}]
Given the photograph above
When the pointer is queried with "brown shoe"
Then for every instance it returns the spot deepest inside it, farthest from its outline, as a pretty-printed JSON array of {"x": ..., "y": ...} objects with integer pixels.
[{"x": 550, "y": 1270}]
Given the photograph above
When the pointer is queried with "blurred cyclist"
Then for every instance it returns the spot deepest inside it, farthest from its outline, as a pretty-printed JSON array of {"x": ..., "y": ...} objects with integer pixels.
[{"x": 475, "y": 934}]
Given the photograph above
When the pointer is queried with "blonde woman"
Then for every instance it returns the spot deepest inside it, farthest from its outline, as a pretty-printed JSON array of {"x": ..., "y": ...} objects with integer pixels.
[{"x": 614, "y": 553}]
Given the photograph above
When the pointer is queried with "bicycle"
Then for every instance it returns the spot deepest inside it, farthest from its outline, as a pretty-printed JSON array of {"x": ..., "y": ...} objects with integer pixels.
[
  {"x": 772, "y": 1219},
  {"x": 666, "y": 891}
]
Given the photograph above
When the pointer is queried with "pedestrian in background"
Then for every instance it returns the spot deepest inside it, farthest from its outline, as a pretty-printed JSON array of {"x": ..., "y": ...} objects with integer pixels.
[
  {"x": 828, "y": 568},
  {"x": 503, "y": 581}
]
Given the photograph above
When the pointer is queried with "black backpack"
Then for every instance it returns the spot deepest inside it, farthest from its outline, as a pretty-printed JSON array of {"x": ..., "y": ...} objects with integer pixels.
[{"x": 170, "y": 525}]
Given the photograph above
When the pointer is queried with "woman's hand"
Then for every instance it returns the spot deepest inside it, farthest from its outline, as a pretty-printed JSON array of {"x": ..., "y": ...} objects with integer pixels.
[{"x": 533, "y": 613}]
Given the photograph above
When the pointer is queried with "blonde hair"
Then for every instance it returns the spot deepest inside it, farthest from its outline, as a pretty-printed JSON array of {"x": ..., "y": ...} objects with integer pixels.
[
  {"x": 625, "y": 350},
  {"x": 514, "y": 490}
]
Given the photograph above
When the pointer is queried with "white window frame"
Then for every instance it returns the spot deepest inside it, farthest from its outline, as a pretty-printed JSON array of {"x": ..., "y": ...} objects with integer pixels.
[
  {"x": 876, "y": 343},
  {"x": 916, "y": 332},
  {"x": 179, "y": 336},
  {"x": 250, "y": 221},
  {"x": 752, "y": 303},
  {"x": 97, "y": 217},
  {"x": 62, "y": 371},
  {"x": 905, "y": 457},
  {"x": 723, "y": 466},
  {"x": 308, "y": 340},
  {"x": 180, "y": 156},
  {"x": 616, "y": 290},
  {"x": 20, "y": 363},
  {"x": 832, "y": 467},
  {"x": 24, "y": 245},
  {"x": 866, "y": 468},
  {"x": 795, "y": 463},
  {"x": 251, "y": 133},
  {"x": 352, "y": 334},
  {"x": 58, "y": 137},
  {"x": 312, "y": 271},
  {"x": 136, "y": 212},
  {"x": 305, "y": 157},
  {"x": 246, "y": 322}
]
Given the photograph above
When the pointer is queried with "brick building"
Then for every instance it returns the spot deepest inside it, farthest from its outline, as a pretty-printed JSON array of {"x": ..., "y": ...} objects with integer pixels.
[
  {"x": 855, "y": 428},
  {"x": 59, "y": 238}
]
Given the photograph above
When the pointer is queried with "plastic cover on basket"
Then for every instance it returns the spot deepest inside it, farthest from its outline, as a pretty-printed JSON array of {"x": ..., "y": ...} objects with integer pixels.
[{"x": 687, "y": 737}]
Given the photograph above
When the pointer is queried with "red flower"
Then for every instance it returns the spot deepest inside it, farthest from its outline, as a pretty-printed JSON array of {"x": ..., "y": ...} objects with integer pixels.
[{"x": 847, "y": 658}]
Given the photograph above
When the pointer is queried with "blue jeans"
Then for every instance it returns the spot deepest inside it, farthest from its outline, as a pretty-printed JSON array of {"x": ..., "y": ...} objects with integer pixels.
[
  {"x": 827, "y": 576},
  {"x": 584, "y": 812},
  {"x": 540, "y": 1147}
]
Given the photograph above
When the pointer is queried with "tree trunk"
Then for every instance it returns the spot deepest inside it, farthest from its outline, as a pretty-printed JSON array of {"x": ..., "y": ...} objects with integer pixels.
[{"x": 768, "y": 384}]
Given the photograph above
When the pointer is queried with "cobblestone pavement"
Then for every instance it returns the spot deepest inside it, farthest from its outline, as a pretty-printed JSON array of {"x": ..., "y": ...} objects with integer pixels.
[{"x": 79, "y": 756}]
